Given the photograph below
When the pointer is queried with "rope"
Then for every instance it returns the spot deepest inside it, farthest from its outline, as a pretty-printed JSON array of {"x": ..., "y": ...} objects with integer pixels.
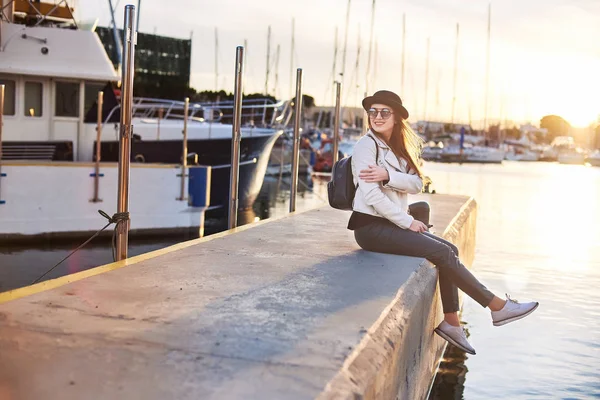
[{"x": 115, "y": 219}]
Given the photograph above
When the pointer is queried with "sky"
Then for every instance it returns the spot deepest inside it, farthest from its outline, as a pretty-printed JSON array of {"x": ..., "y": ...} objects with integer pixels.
[{"x": 544, "y": 54}]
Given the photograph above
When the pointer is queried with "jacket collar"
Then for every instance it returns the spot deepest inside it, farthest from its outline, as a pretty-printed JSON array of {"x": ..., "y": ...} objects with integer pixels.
[
  {"x": 390, "y": 157},
  {"x": 380, "y": 142}
]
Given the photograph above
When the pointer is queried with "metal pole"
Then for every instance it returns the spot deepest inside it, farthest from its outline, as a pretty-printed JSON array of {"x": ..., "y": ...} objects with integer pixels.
[
  {"x": 236, "y": 138},
  {"x": 126, "y": 131},
  {"x": 98, "y": 138},
  {"x": 1, "y": 126},
  {"x": 296, "y": 149},
  {"x": 336, "y": 121},
  {"x": 186, "y": 109}
]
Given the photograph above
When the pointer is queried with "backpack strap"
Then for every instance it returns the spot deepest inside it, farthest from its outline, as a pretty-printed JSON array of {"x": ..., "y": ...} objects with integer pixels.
[
  {"x": 376, "y": 149},
  {"x": 376, "y": 152}
]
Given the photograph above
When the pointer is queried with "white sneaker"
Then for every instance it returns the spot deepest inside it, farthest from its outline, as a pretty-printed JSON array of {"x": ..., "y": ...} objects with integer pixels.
[
  {"x": 513, "y": 311},
  {"x": 455, "y": 335}
]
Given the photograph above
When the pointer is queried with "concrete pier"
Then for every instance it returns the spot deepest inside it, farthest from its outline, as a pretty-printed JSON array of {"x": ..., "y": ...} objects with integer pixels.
[{"x": 283, "y": 309}]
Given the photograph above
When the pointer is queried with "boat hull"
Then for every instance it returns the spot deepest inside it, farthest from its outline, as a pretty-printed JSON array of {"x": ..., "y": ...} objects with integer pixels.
[{"x": 254, "y": 158}]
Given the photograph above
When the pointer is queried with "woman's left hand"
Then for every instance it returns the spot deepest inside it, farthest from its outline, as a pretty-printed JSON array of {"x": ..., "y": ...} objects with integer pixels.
[{"x": 374, "y": 174}]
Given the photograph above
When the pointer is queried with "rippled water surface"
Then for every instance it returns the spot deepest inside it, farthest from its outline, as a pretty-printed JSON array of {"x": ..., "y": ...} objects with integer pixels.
[{"x": 538, "y": 238}]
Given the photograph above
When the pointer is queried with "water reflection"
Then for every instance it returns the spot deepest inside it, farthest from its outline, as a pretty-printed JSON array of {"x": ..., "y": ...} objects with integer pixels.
[{"x": 449, "y": 383}]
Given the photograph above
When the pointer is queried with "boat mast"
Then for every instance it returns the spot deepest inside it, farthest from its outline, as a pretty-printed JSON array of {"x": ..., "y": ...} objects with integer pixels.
[
  {"x": 455, "y": 76},
  {"x": 368, "y": 70},
  {"x": 118, "y": 45},
  {"x": 292, "y": 56},
  {"x": 277, "y": 70},
  {"x": 355, "y": 73},
  {"x": 329, "y": 84},
  {"x": 403, "y": 49},
  {"x": 245, "y": 52},
  {"x": 375, "y": 62},
  {"x": 216, "y": 60},
  {"x": 426, "y": 80},
  {"x": 487, "y": 71},
  {"x": 345, "y": 44},
  {"x": 335, "y": 51},
  {"x": 268, "y": 55}
]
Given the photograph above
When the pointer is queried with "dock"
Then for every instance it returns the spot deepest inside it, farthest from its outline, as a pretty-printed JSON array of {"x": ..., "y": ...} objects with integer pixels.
[{"x": 289, "y": 308}]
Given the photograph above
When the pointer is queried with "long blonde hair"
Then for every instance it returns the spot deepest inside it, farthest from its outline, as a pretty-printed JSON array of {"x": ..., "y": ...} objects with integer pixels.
[{"x": 405, "y": 143}]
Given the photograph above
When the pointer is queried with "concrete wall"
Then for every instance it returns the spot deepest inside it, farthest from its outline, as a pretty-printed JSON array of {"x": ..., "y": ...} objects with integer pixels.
[
  {"x": 399, "y": 355},
  {"x": 289, "y": 308}
]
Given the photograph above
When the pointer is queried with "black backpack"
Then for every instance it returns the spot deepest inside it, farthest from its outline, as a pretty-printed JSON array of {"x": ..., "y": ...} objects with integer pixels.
[{"x": 341, "y": 189}]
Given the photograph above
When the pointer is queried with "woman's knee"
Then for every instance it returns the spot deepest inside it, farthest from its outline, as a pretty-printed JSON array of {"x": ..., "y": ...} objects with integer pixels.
[
  {"x": 420, "y": 211},
  {"x": 442, "y": 255},
  {"x": 454, "y": 248}
]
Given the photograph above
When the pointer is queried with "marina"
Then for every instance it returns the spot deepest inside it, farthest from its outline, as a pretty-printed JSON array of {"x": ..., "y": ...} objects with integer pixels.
[{"x": 158, "y": 241}]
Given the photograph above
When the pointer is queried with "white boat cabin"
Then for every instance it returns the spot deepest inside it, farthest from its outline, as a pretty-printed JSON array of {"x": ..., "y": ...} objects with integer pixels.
[{"x": 52, "y": 77}]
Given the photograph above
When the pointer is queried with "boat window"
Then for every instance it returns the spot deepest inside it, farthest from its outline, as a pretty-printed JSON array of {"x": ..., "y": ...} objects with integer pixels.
[
  {"x": 91, "y": 94},
  {"x": 67, "y": 99},
  {"x": 34, "y": 92},
  {"x": 9, "y": 96}
]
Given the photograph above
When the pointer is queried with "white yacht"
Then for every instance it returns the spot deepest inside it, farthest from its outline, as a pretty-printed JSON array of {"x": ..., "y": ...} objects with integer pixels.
[
  {"x": 472, "y": 154},
  {"x": 52, "y": 72},
  {"x": 594, "y": 158}
]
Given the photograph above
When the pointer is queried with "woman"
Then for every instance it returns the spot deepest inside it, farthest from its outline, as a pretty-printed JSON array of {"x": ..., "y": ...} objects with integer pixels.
[{"x": 382, "y": 223}]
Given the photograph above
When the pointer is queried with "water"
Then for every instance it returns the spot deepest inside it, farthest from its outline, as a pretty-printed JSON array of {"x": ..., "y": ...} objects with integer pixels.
[{"x": 538, "y": 237}]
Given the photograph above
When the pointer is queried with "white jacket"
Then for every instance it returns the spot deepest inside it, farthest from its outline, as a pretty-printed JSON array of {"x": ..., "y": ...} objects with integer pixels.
[{"x": 390, "y": 200}]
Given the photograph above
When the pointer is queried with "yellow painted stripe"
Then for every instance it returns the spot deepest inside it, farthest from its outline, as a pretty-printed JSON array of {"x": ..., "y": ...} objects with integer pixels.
[{"x": 65, "y": 280}]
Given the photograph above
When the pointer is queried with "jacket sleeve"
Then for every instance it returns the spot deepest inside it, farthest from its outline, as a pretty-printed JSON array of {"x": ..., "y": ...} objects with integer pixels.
[
  {"x": 363, "y": 156},
  {"x": 402, "y": 182}
]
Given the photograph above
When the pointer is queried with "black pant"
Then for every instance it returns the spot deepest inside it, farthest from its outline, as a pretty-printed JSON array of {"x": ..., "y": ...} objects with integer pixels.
[{"x": 383, "y": 236}]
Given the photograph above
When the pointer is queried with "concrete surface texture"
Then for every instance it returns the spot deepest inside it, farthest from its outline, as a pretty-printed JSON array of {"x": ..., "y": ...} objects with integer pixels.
[{"x": 288, "y": 309}]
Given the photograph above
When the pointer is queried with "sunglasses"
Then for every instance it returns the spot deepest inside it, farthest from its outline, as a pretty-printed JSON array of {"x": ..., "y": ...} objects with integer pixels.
[{"x": 385, "y": 113}]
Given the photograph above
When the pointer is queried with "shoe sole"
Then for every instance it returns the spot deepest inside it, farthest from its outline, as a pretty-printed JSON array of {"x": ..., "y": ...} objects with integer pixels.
[
  {"x": 516, "y": 317},
  {"x": 452, "y": 341}
]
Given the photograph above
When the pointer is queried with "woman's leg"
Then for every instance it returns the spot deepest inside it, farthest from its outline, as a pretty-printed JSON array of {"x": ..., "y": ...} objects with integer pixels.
[
  {"x": 448, "y": 290},
  {"x": 386, "y": 237}
]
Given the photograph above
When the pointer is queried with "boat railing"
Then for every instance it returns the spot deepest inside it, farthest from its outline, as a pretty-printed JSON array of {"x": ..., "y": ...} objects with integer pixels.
[{"x": 255, "y": 112}]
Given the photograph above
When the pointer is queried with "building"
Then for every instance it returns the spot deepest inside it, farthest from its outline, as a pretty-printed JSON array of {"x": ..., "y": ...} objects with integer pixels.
[{"x": 162, "y": 64}]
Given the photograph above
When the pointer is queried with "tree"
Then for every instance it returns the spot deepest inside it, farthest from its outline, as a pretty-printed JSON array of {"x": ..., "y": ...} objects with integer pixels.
[
  {"x": 557, "y": 126},
  {"x": 308, "y": 101},
  {"x": 512, "y": 133}
]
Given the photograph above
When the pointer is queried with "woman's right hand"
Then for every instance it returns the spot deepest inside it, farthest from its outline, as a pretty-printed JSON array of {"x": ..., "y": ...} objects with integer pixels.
[{"x": 418, "y": 226}]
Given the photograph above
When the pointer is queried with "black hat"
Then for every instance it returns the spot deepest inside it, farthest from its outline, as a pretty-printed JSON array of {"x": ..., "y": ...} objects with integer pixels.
[{"x": 388, "y": 98}]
